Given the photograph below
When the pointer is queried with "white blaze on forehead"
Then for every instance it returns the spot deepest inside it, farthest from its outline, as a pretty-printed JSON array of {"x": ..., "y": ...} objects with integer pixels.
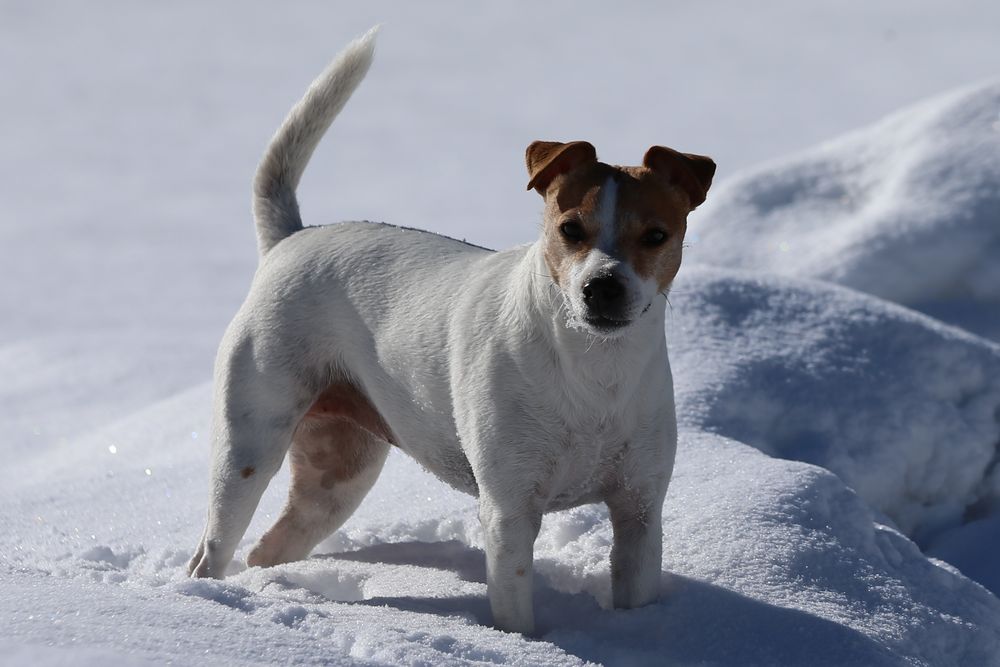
[{"x": 607, "y": 204}]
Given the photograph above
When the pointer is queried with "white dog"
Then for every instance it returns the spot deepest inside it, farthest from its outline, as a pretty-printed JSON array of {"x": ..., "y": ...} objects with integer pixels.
[{"x": 535, "y": 379}]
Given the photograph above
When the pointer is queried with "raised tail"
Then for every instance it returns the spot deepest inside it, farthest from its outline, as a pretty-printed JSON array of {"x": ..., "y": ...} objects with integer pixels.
[{"x": 275, "y": 208}]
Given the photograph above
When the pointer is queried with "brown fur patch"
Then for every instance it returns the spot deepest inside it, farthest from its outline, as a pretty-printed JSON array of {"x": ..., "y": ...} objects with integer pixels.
[
  {"x": 575, "y": 198},
  {"x": 548, "y": 159},
  {"x": 335, "y": 436},
  {"x": 691, "y": 173},
  {"x": 338, "y": 450},
  {"x": 646, "y": 201},
  {"x": 345, "y": 401}
]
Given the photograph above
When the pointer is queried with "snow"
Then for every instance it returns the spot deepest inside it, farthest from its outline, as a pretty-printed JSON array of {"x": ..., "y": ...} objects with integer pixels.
[
  {"x": 905, "y": 409},
  {"x": 838, "y": 448},
  {"x": 907, "y": 209},
  {"x": 756, "y": 547}
]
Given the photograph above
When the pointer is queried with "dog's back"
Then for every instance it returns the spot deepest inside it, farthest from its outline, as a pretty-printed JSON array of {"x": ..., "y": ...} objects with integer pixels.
[{"x": 372, "y": 293}]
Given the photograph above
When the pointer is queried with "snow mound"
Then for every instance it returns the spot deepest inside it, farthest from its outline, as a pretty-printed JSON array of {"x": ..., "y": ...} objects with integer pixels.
[
  {"x": 795, "y": 538},
  {"x": 904, "y": 409},
  {"x": 907, "y": 209},
  {"x": 764, "y": 560}
]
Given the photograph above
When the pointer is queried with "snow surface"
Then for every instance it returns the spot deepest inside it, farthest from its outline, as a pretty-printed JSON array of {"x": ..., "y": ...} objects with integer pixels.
[
  {"x": 907, "y": 209},
  {"x": 125, "y": 245},
  {"x": 766, "y": 558},
  {"x": 905, "y": 409}
]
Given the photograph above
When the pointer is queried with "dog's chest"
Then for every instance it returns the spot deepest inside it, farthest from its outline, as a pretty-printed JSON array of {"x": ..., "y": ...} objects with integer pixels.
[
  {"x": 584, "y": 464},
  {"x": 586, "y": 446}
]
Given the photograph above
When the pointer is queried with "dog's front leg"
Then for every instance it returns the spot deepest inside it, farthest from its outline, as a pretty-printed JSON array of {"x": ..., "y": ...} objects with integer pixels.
[
  {"x": 510, "y": 539},
  {"x": 636, "y": 510},
  {"x": 637, "y": 552}
]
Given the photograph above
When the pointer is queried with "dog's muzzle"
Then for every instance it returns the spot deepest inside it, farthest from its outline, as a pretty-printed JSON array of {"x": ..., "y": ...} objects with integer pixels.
[{"x": 605, "y": 298}]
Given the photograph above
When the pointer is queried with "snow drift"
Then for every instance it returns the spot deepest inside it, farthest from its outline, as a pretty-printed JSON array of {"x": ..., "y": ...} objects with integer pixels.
[
  {"x": 765, "y": 560},
  {"x": 907, "y": 209},
  {"x": 904, "y": 409}
]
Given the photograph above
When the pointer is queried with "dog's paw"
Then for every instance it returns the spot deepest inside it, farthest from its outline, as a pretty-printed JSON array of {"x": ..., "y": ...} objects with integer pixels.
[
  {"x": 196, "y": 559},
  {"x": 205, "y": 570},
  {"x": 199, "y": 569},
  {"x": 200, "y": 565},
  {"x": 260, "y": 556}
]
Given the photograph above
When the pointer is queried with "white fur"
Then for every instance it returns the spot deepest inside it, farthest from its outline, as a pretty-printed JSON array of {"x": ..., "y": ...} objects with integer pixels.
[
  {"x": 467, "y": 356},
  {"x": 607, "y": 209}
]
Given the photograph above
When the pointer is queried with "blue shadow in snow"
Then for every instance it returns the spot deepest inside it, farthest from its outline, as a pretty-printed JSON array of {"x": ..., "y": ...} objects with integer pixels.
[{"x": 694, "y": 622}]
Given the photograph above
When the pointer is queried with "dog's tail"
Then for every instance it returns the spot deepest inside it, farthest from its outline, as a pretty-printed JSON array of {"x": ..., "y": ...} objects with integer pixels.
[{"x": 275, "y": 208}]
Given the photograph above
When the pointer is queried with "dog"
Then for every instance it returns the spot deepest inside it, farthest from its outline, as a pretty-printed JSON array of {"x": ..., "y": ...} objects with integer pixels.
[{"x": 535, "y": 378}]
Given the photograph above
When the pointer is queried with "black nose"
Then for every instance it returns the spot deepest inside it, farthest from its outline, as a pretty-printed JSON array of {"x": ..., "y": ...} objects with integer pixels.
[{"x": 604, "y": 295}]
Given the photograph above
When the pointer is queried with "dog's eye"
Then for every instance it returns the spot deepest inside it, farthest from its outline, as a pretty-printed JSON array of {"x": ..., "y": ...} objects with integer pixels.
[
  {"x": 572, "y": 231},
  {"x": 654, "y": 237}
]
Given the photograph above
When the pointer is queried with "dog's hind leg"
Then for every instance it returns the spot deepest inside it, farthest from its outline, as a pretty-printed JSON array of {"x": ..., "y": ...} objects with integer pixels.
[
  {"x": 259, "y": 399},
  {"x": 334, "y": 463}
]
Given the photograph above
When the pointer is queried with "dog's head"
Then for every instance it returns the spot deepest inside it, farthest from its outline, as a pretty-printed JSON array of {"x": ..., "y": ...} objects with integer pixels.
[{"x": 612, "y": 236}]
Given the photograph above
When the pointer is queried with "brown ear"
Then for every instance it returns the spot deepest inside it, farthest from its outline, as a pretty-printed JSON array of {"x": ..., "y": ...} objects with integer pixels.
[
  {"x": 692, "y": 173},
  {"x": 548, "y": 159}
]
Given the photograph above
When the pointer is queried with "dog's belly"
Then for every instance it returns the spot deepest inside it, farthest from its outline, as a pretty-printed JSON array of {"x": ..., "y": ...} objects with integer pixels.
[
  {"x": 452, "y": 467},
  {"x": 343, "y": 400},
  {"x": 577, "y": 469}
]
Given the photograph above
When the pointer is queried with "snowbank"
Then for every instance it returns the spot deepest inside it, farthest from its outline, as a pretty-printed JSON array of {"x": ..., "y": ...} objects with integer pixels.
[
  {"x": 907, "y": 209},
  {"x": 766, "y": 560},
  {"x": 126, "y": 245},
  {"x": 905, "y": 409}
]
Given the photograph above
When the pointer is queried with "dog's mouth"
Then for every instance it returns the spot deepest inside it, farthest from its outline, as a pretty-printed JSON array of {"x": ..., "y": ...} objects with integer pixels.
[
  {"x": 602, "y": 323},
  {"x": 610, "y": 324}
]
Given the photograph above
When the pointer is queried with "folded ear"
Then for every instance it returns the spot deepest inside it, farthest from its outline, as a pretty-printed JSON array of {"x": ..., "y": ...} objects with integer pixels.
[
  {"x": 692, "y": 173},
  {"x": 548, "y": 159}
]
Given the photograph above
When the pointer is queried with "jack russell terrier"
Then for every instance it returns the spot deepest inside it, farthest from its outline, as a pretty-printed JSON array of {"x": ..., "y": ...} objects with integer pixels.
[{"x": 535, "y": 378}]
